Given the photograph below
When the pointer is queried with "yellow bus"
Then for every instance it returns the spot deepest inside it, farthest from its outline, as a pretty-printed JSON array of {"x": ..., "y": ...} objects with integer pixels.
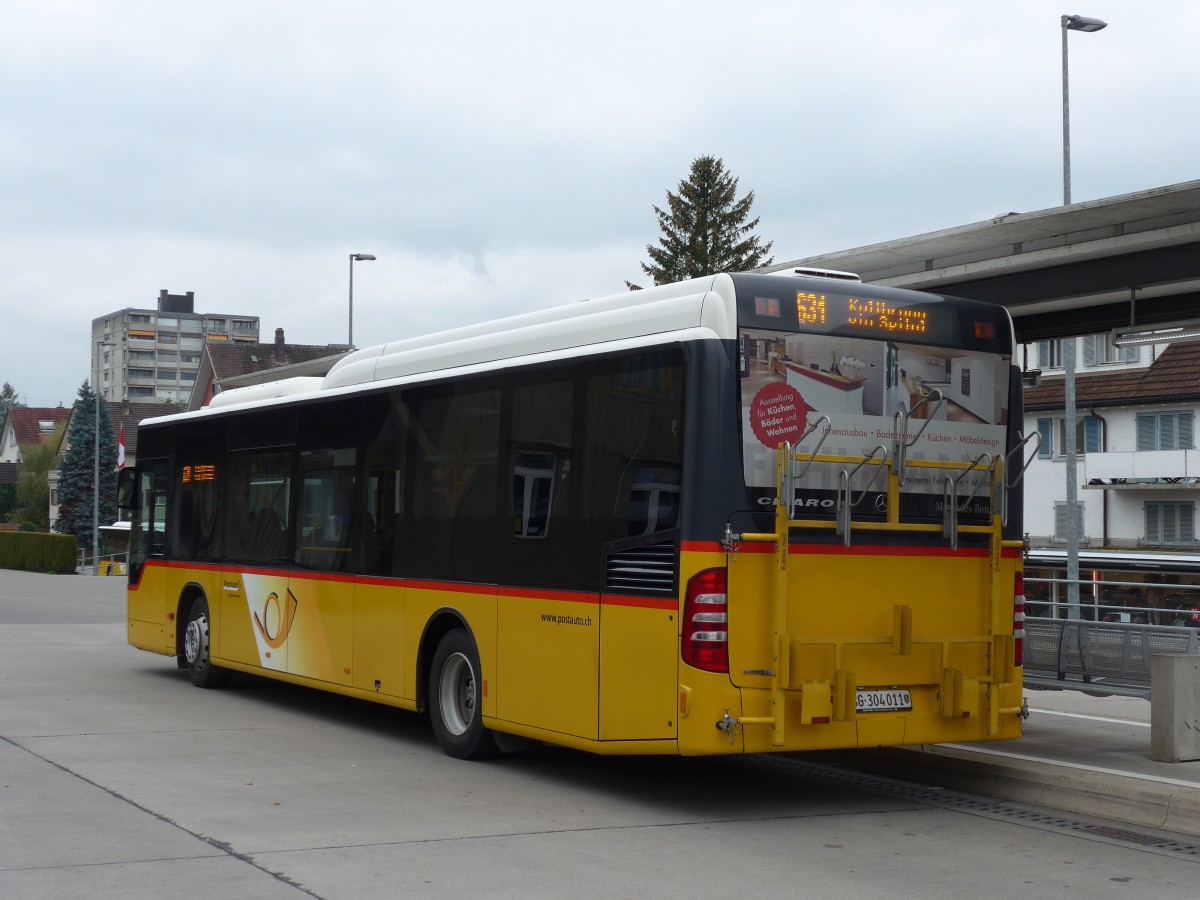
[{"x": 742, "y": 513}]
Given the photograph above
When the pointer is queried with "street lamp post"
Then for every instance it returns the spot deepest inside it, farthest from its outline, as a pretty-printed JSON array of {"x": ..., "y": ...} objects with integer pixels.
[
  {"x": 1071, "y": 23},
  {"x": 96, "y": 480},
  {"x": 354, "y": 257}
]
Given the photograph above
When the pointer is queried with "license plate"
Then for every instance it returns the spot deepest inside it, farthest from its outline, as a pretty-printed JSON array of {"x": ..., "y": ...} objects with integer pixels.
[{"x": 883, "y": 701}]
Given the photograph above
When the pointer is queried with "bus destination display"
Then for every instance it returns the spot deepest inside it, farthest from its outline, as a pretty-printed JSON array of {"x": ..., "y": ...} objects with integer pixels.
[
  {"x": 874, "y": 312},
  {"x": 877, "y": 316},
  {"x": 191, "y": 474}
]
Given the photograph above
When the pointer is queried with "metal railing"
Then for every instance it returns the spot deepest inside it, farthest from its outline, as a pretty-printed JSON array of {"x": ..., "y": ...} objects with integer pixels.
[
  {"x": 1101, "y": 658},
  {"x": 1126, "y": 602},
  {"x": 109, "y": 563}
]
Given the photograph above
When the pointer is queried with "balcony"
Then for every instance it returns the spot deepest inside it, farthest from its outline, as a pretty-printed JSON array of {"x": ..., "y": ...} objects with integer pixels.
[{"x": 1142, "y": 468}]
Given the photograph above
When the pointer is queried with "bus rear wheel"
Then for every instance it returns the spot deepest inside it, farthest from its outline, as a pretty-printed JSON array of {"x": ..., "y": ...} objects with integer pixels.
[
  {"x": 195, "y": 648},
  {"x": 455, "y": 699}
]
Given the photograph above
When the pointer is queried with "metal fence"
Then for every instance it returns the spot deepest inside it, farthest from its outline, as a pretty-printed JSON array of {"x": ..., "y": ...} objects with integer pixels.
[
  {"x": 1102, "y": 658},
  {"x": 108, "y": 563},
  {"x": 1127, "y": 602}
]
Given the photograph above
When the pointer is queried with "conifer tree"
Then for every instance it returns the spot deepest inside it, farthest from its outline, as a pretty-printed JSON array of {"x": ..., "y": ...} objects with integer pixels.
[
  {"x": 705, "y": 228},
  {"x": 8, "y": 399},
  {"x": 77, "y": 472}
]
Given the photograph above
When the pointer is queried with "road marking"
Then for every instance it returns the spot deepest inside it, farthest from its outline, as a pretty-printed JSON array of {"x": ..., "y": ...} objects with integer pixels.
[
  {"x": 1099, "y": 770},
  {"x": 1069, "y": 715}
]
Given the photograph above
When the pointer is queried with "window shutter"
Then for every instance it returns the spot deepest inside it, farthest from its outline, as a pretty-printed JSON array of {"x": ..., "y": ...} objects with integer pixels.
[
  {"x": 1043, "y": 353},
  {"x": 1147, "y": 431},
  {"x": 1170, "y": 525},
  {"x": 1168, "y": 431},
  {"x": 1187, "y": 523},
  {"x": 1046, "y": 429},
  {"x": 1092, "y": 352},
  {"x": 1152, "y": 530},
  {"x": 1060, "y": 521},
  {"x": 1092, "y": 435},
  {"x": 1186, "y": 422}
]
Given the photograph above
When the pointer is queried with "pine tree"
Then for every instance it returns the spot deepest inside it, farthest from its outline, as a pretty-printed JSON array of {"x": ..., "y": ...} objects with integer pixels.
[
  {"x": 8, "y": 399},
  {"x": 704, "y": 230},
  {"x": 78, "y": 470}
]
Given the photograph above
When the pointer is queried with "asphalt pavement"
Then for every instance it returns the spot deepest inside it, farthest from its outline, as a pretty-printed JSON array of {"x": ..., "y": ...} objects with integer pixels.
[{"x": 85, "y": 707}]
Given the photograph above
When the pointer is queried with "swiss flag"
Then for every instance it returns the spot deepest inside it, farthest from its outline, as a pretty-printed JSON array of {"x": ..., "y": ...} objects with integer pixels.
[{"x": 121, "y": 450}]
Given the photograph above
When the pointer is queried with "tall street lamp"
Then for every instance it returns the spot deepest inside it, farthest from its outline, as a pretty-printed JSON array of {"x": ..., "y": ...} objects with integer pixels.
[
  {"x": 1071, "y": 23},
  {"x": 96, "y": 480},
  {"x": 354, "y": 257}
]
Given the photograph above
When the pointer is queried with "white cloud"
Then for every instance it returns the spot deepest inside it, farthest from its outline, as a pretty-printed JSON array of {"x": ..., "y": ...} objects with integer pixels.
[{"x": 502, "y": 157}]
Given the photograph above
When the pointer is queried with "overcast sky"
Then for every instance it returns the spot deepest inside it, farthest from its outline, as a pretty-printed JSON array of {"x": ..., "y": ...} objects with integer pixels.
[{"x": 500, "y": 157}]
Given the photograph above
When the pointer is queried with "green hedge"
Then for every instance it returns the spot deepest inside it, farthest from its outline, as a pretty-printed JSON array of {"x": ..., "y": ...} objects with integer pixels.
[{"x": 37, "y": 552}]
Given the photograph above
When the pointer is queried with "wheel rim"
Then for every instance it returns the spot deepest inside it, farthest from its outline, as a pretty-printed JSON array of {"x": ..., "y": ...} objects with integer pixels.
[
  {"x": 195, "y": 641},
  {"x": 457, "y": 694}
]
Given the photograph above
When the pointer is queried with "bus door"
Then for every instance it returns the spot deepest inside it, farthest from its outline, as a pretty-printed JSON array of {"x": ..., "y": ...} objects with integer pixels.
[
  {"x": 258, "y": 607},
  {"x": 319, "y": 613},
  {"x": 639, "y": 647},
  {"x": 148, "y": 542},
  {"x": 548, "y": 635}
]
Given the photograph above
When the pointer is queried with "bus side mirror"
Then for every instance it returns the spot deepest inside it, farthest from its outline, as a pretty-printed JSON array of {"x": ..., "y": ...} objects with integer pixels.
[{"x": 127, "y": 489}]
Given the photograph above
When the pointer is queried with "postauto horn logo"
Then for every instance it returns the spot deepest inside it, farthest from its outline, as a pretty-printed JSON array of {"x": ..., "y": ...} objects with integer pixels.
[{"x": 275, "y": 623}]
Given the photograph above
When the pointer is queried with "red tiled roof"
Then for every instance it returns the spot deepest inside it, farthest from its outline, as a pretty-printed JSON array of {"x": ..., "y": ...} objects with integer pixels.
[
  {"x": 1174, "y": 376},
  {"x": 26, "y": 422},
  {"x": 236, "y": 358},
  {"x": 127, "y": 414}
]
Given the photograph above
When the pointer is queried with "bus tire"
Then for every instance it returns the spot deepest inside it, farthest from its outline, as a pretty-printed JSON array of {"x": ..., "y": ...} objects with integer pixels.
[
  {"x": 454, "y": 699},
  {"x": 195, "y": 649}
]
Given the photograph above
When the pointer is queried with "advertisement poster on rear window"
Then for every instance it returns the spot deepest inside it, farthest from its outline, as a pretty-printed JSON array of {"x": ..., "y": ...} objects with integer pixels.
[{"x": 957, "y": 400}]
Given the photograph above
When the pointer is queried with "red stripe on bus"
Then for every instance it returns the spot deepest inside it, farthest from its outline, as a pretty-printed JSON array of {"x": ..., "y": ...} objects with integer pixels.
[
  {"x": 663, "y": 603},
  {"x": 668, "y": 603},
  {"x": 852, "y": 550},
  {"x": 546, "y": 594}
]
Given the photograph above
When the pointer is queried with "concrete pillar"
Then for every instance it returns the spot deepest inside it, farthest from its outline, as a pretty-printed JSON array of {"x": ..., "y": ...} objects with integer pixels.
[{"x": 1175, "y": 707}]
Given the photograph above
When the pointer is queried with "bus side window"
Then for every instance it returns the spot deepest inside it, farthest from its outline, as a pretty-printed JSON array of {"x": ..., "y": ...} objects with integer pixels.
[
  {"x": 151, "y": 514},
  {"x": 653, "y": 499},
  {"x": 634, "y": 447},
  {"x": 326, "y": 509},
  {"x": 455, "y": 521},
  {"x": 384, "y": 510},
  {"x": 258, "y": 515}
]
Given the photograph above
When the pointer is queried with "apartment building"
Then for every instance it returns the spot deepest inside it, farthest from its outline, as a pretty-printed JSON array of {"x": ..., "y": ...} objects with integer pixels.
[
  {"x": 156, "y": 353},
  {"x": 1137, "y": 466}
]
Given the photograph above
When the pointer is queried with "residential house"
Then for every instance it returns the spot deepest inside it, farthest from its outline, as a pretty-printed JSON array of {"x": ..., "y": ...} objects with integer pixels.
[
  {"x": 1137, "y": 466},
  {"x": 29, "y": 425},
  {"x": 124, "y": 416},
  {"x": 224, "y": 366}
]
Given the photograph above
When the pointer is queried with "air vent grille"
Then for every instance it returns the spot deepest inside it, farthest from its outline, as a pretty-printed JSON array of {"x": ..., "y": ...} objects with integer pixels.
[{"x": 647, "y": 569}]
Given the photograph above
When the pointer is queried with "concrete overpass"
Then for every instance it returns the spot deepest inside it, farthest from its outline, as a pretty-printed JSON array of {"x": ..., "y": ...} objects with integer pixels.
[{"x": 1132, "y": 260}]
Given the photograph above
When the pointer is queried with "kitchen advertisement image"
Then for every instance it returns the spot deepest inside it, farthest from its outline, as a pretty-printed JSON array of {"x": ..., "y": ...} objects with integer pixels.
[{"x": 789, "y": 381}]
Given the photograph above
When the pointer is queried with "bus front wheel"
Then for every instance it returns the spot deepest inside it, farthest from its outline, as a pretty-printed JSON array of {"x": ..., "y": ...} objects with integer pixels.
[
  {"x": 195, "y": 648},
  {"x": 455, "y": 699}
]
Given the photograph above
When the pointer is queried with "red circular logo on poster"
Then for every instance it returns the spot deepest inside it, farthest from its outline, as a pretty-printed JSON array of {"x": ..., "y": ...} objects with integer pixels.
[{"x": 778, "y": 413}]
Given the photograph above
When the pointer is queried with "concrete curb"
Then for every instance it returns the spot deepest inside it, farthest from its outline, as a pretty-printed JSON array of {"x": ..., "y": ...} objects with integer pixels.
[{"x": 1137, "y": 801}]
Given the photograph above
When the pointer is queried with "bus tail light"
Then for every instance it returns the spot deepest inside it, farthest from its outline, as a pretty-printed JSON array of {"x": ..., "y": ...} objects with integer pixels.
[
  {"x": 1019, "y": 620},
  {"x": 706, "y": 622}
]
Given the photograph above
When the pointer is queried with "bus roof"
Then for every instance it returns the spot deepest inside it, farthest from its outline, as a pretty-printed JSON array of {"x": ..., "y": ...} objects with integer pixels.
[{"x": 698, "y": 308}]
